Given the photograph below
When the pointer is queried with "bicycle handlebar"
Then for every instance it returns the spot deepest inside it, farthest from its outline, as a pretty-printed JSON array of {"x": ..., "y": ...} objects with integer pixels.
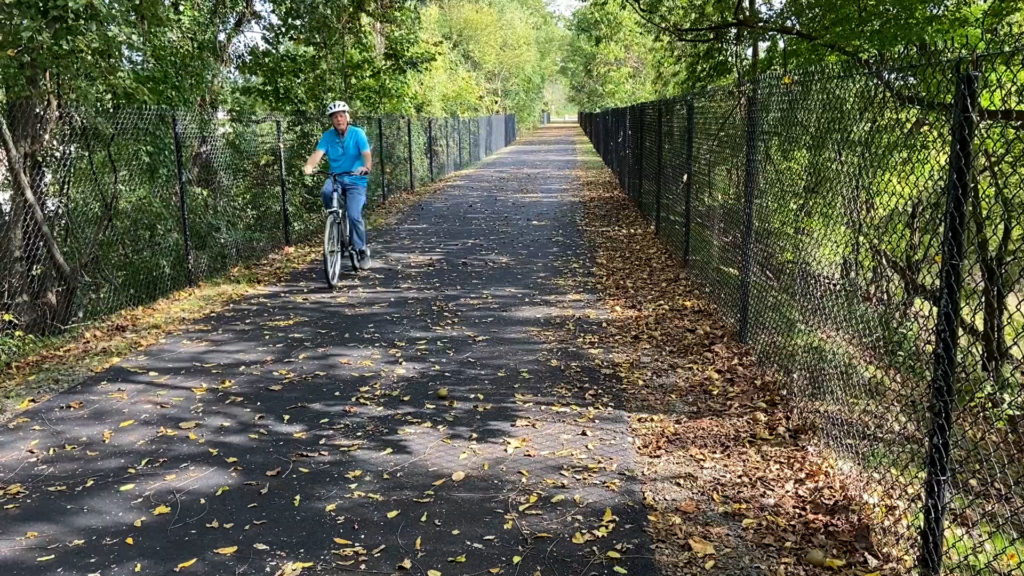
[{"x": 326, "y": 173}]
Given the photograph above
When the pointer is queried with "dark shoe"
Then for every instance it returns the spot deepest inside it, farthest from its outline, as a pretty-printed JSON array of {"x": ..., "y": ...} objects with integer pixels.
[{"x": 364, "y": 258}]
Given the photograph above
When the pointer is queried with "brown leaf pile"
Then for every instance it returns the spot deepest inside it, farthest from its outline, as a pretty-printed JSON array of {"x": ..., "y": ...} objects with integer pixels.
[{"x": 732, "y": 485}]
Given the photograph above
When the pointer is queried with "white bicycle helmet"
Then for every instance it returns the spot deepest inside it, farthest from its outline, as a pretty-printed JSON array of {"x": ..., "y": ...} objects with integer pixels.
[{"x": 337, "y": 106}]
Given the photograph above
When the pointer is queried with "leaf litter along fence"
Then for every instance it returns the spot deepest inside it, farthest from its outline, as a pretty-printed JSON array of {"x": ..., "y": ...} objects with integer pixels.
[
  {"x": 864, "y": 227},
  {"x": 100, "y": 211}
]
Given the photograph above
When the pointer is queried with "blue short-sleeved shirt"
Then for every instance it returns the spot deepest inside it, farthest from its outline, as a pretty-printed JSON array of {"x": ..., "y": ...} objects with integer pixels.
[{"x": 345, "y": 154}]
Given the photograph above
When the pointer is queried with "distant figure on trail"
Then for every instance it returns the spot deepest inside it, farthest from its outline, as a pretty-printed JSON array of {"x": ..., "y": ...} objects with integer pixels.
[{"x": 347, "y": 150}]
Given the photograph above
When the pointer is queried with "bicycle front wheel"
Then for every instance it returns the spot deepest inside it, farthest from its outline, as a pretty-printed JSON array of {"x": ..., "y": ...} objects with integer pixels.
[{"x": 334, "y": 250}]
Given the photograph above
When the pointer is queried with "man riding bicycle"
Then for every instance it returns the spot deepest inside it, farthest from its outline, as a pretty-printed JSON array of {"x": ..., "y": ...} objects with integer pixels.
[{"x": 347, "y": 150}]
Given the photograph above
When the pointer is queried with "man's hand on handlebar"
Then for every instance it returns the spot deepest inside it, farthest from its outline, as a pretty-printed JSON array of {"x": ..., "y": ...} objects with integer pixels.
[{"x": 362, "y": 171}]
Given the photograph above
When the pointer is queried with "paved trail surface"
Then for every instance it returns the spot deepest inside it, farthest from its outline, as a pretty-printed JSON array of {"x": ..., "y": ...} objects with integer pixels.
[{"x": 304, "y": 425}]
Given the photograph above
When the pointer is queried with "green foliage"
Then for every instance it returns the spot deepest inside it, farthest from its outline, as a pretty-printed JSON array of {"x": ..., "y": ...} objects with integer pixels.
[
  {"x": 627, "y": 51},
  {"x": 495, "y": 56},
  {"x": 609, "y": 60}
]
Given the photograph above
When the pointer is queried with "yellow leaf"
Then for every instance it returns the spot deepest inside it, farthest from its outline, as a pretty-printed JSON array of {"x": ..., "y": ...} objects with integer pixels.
[
  {"x": 221, "y": 490},
  {"x": 608, "y": 517},
  {"x": 226, "y": 551},
  {"x": 516, "y": 560},
  {"x": 261, "y": 546},
  {"x": 614, "y": 554},
  {"x": 45, "y": 558},
  {"x": 126, "y": 487},
  {"x": 293, "y": 568},
  {"x": 701, "y": 546},
  {"x": 558, "y": 499},
  {"x": 458, "y": 476},
  {"x": 188, "y": 425},
  {"x": 620, "y": 570},
  {"x": 418, "y": 542},
  {"x": 161, "y": 509},
  {"x": 393, "y": 513},
  {"x": 459, "y": 558},
  {"x": 129, "y": 541},
  {"x": 138, "y": 567},
  {"x": 330, "y": 507},
  {"x": 433, "y": 573},
  {"x": 834, "y": 563},
  {"x": 126, "y": 423},
  {"x": 185, "y": 564},
  {"x": 405, "y": 564},
  {"x": 578, "y": 538},
  {"x": 709, "y": 564},
  {"x": 138, "y": 523},
  {"x": 298, "y": 497},
  {"x": 342, "y": 541}
]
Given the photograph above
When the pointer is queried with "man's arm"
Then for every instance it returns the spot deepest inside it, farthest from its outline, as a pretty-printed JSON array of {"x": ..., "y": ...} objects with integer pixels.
[
  {"x": 313, "y": 160},
  {"x": 367, "y": 162}
]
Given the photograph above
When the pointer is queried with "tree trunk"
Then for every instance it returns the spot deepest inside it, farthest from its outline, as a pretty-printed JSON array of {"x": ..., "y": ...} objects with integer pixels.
[
  {"x": 40, "y": 280},
  {"x": 993, "y": 334}
]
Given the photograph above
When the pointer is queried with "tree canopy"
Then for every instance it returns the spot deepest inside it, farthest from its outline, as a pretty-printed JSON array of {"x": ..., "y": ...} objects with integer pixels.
[
  {"x": 292, "y": 56},
  {"x": 624, "y": 51}
]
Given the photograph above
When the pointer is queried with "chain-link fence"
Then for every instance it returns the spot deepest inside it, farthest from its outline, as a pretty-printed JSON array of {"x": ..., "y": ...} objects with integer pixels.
[
  {"x": 864, "y": 226},
  {"x": 104, "y": 210}
]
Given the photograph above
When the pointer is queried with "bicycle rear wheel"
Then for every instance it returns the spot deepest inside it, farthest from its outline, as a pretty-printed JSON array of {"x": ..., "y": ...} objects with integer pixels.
[{"x": 335, "y": 234}]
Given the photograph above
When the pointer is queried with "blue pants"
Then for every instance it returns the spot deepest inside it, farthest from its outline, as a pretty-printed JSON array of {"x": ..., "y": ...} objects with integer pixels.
[{"x": 355, "y": 193}]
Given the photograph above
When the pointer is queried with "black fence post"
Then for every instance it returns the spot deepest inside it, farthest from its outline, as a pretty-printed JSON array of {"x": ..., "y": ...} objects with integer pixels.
[
  {"x": 657, "y": 181},
  {"x": 412, "y": 176},
  {"x": 639, "y": 182},
  {"x": 383, "y": 166},
  {"x": 961, "y": 161},
  {"x": 183, "y": 202},
  {"x": 459, "y": 125},
  {"x": 447, "y": 146},
  {"x": 624, "y": 154},
  {"x": 430, "y": 146},
  {"x": 688, "y": 182},
  {"x": 285, "y": 220},
  {"x": 749, "y": 186}
]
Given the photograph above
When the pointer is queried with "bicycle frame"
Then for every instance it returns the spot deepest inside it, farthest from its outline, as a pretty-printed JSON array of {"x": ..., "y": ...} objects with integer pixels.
[{"x": 337, "y": 216}]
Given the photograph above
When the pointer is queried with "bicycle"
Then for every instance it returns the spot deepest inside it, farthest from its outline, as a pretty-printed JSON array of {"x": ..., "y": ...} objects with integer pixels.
[{"x": 336, "y": 232}]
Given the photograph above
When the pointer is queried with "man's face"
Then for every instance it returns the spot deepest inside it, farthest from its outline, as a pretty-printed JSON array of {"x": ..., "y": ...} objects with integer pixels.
[{"x": 339, "y": 120}]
